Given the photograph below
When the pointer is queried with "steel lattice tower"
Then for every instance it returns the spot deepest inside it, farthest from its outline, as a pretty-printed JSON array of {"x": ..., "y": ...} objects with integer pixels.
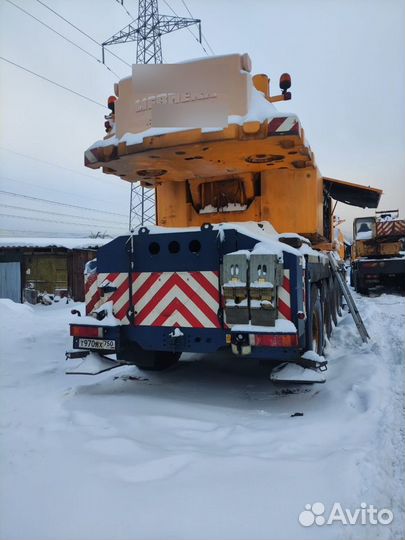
[{"x": 147, "y": 30}]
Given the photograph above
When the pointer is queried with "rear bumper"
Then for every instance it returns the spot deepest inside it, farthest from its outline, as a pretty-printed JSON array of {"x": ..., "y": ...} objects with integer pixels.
[
  {"x": 272, "y": 346},
  {"x": 95, "y": 338},
  {"x": 265, "y": 345},
  {"x": 380, "y": 267},
  {"x": 161, "y": 338}
]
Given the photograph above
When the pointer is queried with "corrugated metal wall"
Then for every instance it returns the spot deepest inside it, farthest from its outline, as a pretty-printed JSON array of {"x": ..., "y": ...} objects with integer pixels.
[{"x": 10, "y": 280}]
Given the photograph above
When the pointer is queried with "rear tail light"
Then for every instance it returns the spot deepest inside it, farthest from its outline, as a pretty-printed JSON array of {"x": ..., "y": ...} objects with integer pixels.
[
  {"x": 86, "y": 331},
  {"x": 276, "y": 340}
]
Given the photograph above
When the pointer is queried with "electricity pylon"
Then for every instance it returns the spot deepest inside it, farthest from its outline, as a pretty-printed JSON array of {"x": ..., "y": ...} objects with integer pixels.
[{"x": 147, "y": 30}]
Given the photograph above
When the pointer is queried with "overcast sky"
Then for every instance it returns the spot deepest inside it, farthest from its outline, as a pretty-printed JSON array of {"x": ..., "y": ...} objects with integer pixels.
[{"x": 346, "y": 59}]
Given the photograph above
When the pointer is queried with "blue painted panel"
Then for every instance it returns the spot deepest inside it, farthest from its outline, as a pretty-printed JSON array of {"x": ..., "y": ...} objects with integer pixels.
[
  {"x": 157, "y": 253},
  {"x": 188, "y": 251},
  {"x": 156, "y": 338},
  {"x": 10, "y": 281},
  {"x": 170, "y": 252}
]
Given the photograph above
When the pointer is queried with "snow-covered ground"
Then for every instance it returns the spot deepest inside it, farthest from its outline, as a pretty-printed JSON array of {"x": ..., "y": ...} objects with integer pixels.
[{"x": 208, "y": 450}]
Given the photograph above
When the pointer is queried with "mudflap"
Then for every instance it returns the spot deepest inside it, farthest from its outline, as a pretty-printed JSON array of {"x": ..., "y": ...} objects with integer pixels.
[
  {"x": 297, "y": 374},
  {"x": 90, "y": 363}
]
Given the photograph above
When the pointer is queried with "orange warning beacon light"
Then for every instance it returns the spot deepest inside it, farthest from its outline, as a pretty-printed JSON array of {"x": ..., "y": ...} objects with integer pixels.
[
  {"x": 111, "y": 103},
  {"x": 285, "y": 84}
]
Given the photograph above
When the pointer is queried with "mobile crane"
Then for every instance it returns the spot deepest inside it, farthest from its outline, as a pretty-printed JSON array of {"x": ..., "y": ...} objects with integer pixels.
[
  {"x": 238, "y": 258},
  {"x": 378, "y": 251}
]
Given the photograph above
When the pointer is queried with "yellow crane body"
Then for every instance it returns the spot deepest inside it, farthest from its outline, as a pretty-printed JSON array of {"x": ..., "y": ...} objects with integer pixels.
[
  {"x": 255, "y": 165},
  {"x": 240, "y": 200}
]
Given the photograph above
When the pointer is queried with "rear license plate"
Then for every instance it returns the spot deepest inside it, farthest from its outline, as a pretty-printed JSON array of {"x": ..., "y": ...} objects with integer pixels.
[{"x": 102, "y": 344}]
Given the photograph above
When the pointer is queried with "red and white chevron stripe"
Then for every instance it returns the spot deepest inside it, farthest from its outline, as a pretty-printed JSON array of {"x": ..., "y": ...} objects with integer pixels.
[
  {"x": 399, "y": 226},
  {"x": 91, "y": 293},
  {"x": 284, "y": 297},
  {"x": 95, "y": 297},
  {"x": 388, "y": 228},
  {"x": 385, "y": 228},
  {"x": 120, "y": 297},
  {"x": 187, "y": 299},
  {"x": 283, "y": 125}
]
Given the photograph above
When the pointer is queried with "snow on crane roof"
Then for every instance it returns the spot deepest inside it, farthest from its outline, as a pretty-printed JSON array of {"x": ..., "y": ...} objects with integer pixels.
[{"x": 67, "y": 243}]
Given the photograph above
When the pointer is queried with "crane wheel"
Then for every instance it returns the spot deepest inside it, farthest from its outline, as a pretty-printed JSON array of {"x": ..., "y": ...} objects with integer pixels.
[
  {"x": 327, "y": 309},
  {"x": 358, "y": 283},
  {"x": 158, "y": 360},
  {"x": 131, "y": 353},
  {"x": 339, "y": 299},
  {"x": 316, "y": 341},
  {"x": 333, "y": 300}
]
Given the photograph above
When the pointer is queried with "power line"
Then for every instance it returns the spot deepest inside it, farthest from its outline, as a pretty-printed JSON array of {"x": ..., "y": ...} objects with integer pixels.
[
  {"x": 49, "y": 234},
  {"x": 13, "y": 216},
  {"x": 52, "y": 164},
  {"x": 185, "y": 5},
  {"x": 13, "y": 194},
  {"x": 37, "y": 184},
  {"x": 195, "y": 37},
  {"x": 83, "y": 218},
  {"x": 208, "y": 45},
  {"x": 53, "y": 82},
  {"x": 59, "y": 191},
  {"x": 81, "y": 31},
  {"x": 62, "y": 36},
  {"x": 128, "y": 13},
  {"x": 4, "y": 233},
  {"x": 202, "y": 34}
]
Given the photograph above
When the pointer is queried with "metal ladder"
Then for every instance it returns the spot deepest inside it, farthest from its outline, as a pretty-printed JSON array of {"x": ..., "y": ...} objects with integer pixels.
[{"x": 349, "y": 298}]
